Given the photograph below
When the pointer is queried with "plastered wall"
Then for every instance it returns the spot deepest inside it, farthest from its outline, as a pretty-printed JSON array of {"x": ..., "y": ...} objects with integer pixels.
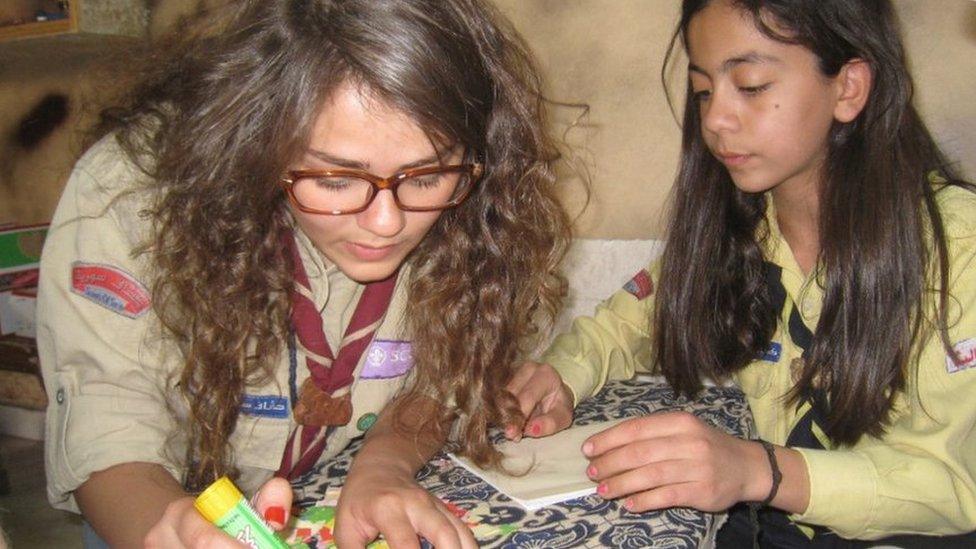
[
  {"x": 604, "y": 53},
  {"x": 608, "y": 53},
  {"x": 125, "y": 17}
]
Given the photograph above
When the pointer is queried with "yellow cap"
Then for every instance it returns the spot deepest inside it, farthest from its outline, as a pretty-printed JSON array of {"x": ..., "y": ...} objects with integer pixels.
[{"x": 220, "y": 497}]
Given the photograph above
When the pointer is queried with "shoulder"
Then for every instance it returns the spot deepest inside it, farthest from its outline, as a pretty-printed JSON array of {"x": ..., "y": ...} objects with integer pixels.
[
  {"x": 108, "y": 168},
  {"x": 957, "y": 205},
  {"x": 105, "y": 181}
]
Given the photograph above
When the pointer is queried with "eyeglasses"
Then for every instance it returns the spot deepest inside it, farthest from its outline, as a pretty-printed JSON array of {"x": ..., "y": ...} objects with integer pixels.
[{"x": 338, "y": 192}]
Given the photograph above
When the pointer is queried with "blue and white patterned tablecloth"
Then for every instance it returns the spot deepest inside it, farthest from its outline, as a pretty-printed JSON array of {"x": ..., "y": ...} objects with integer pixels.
[{"x": 585, "y": 522}]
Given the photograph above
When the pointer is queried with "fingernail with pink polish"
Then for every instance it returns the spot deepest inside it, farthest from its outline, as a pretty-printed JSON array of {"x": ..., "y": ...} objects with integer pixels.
[
  {"x": 587, "y": 448},
  {"x": 535, "y": 429},
  {"x": 591, "y": 471},
  {"x": 602, "y": 489}
]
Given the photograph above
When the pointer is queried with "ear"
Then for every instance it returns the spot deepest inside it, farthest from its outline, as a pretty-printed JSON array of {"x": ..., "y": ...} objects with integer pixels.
[{"x": 853, "y": 86}]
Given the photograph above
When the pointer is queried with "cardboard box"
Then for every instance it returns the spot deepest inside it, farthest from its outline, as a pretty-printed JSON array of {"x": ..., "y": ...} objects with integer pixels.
[
  {"x": 21, "y": 422},
  {"x": 20, "y": 374},
  {"x": 20, "y": 255},
  {"x": 17, "y": 312}
]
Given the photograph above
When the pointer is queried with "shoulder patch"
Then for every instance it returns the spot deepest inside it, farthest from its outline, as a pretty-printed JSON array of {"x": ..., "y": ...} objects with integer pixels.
[
  {"x": 641, "y": 285},
  {"x": 965, "y": 358},
  {"x": 110, "y": 287}
]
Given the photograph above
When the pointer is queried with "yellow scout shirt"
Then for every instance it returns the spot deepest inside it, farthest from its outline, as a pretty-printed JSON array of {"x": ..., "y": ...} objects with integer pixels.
[
  {"x": 109, "y": 375},
  {"x": 920, "y": 478}
]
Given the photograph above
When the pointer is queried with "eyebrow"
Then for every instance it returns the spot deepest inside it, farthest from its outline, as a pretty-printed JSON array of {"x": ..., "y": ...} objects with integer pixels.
[
  {"x": 751, "y": 57},
  {"x": 359, "y": 165}
]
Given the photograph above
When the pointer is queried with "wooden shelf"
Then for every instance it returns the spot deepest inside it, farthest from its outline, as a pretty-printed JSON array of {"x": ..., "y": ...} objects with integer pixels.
[{"x": 43, "y": 28}]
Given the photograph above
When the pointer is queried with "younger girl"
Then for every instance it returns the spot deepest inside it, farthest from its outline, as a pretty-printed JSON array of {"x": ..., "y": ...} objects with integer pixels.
[
  {"x": 329, "y": 218},
  {"x": 820, "y": 254}
]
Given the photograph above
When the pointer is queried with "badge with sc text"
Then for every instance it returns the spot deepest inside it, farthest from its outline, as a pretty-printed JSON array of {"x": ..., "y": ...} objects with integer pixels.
[
  {"x": 965, "y": 358},
  {"x": 110, "y": 287},
  {"x": 386, "y": 359},
  {"x": 641, "y": 285}
]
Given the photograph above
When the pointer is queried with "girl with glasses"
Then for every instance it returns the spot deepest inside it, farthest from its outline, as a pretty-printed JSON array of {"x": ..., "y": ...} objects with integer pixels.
[
  {"x": 820, "y": 254},
  {"x": 325, "y": 219}
]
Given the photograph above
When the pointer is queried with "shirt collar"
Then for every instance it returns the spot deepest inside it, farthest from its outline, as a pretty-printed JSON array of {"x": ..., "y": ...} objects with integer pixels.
[{"x": 803, "y": 290}]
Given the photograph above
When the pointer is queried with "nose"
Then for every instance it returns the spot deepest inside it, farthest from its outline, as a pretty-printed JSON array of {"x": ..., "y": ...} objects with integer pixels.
[
  {"x": 383, "y": 217},
  {"x": 720, "y": 113}
]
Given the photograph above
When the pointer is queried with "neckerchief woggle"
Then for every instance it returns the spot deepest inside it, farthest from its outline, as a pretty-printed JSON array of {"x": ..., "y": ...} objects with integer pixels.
[{"x": 324, "y": 401}]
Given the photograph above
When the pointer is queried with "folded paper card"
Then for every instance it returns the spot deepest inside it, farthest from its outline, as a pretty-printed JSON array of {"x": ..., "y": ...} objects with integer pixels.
[{"x": 556, "y": 467}]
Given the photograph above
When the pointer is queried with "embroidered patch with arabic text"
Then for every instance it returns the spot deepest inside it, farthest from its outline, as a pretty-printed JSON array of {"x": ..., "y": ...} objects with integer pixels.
[
  {"x": 641, "y": 285},
  {"x": 272, "y": 406},
  {"x": 965, "y": 358},
  {"x": 110, "y": 287}
]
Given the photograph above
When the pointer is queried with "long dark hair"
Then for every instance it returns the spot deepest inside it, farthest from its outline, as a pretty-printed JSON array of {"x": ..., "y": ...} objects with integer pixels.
[
  {"x": 882, "y": 242},
  {"x": 221, "y": 116}
]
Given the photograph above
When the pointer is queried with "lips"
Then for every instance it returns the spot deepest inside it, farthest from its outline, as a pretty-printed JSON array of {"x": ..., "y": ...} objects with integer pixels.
[
  {"x": 366, "y": 252},
  {"x": 732, "y": 159}
]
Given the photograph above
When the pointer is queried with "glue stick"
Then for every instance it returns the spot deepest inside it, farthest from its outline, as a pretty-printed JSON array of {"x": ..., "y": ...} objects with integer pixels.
[{"x": 224, "y": 505}]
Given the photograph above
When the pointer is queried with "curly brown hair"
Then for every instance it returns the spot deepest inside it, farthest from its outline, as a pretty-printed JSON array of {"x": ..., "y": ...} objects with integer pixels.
[{"x": 221, "y": 116}]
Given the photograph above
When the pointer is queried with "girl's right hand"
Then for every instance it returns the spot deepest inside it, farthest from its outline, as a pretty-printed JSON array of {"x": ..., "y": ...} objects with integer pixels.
[
  {"x": 182, "y": 526},
  {"x": 546, "y": 402}
]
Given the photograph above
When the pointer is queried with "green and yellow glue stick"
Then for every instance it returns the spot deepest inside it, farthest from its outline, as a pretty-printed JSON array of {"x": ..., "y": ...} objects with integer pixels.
[{"x": 227, "y": 508}]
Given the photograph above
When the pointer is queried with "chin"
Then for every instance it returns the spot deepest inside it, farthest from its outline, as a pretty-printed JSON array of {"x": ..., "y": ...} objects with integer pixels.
[
  {"x": 748, "y": 185},
  {"x": 368, "y": 273}
]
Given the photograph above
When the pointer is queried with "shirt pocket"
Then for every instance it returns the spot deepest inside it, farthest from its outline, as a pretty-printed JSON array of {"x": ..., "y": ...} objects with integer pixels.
[
  {"x": 756, "y": 379},
  {"x": 260, "y": 441},
  {"x": 369, "y": 398}
]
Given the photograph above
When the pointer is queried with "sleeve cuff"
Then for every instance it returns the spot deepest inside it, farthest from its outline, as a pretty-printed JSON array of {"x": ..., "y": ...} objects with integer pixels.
[
  {"x": 89, "y": 445},
  {"x": 843, "y": 491},
  {"x": 579, "y": 380}
]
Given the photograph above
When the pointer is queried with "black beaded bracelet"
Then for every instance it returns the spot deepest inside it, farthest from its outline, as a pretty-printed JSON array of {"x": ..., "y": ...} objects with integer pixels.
[{"x": 777, "y": 475}]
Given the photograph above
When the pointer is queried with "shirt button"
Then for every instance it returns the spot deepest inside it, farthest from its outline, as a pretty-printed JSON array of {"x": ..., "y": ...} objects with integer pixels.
[
  {"x": 366, "y": 421},
  {"x": 808, "y": 306},
  {"x": 59, "y": 396}
]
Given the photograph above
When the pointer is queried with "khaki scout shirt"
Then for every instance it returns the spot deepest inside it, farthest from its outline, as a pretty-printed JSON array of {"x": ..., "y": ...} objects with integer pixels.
[
  {"x": 111, "y": 378},
  {"x": 919, "y": 478}
]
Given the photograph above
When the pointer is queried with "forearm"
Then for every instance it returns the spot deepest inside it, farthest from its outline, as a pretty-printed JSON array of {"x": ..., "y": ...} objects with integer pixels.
[
  {"x": 124, "y": 501},
  {"x": 612, "y": 344},
  {"x": 404, "y": 447},
  {"x": 871, "y": 492}
]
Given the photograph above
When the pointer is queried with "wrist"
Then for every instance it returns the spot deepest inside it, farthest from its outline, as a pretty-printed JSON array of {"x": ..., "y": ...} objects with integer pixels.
[
  {"x": 377, "y": 462},
  {"x": 758, "y": 478},
  {"x": 766, "y": 473}
]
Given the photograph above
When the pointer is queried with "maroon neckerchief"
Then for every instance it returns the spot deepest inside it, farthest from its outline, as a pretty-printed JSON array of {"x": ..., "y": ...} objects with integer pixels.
[{"x": 324, "y": 400}]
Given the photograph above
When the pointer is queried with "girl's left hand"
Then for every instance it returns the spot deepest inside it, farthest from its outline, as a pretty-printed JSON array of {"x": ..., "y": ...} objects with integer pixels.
[
  {"x": 674, "y": 459},
  {"x": 384, "y": 501}
]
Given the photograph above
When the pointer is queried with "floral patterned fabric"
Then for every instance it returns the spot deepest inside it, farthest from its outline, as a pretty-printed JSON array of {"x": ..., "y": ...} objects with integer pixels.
[{"x": 584, "y": 522}]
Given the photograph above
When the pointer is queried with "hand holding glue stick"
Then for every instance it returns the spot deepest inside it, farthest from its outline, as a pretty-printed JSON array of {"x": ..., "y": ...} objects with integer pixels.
[{"x": 227, "y": 508}]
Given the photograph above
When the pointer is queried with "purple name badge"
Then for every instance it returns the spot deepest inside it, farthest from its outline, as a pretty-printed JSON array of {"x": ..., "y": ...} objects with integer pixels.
[{"x": 387, "y": 359}]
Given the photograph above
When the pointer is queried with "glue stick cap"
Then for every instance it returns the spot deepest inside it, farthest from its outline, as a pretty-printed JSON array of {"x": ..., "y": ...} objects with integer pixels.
[{"x": 220, "y": 497}]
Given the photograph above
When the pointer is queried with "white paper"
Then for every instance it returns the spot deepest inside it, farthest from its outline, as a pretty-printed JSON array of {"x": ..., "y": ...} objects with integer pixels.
[{"x": 556, "y": 467}]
